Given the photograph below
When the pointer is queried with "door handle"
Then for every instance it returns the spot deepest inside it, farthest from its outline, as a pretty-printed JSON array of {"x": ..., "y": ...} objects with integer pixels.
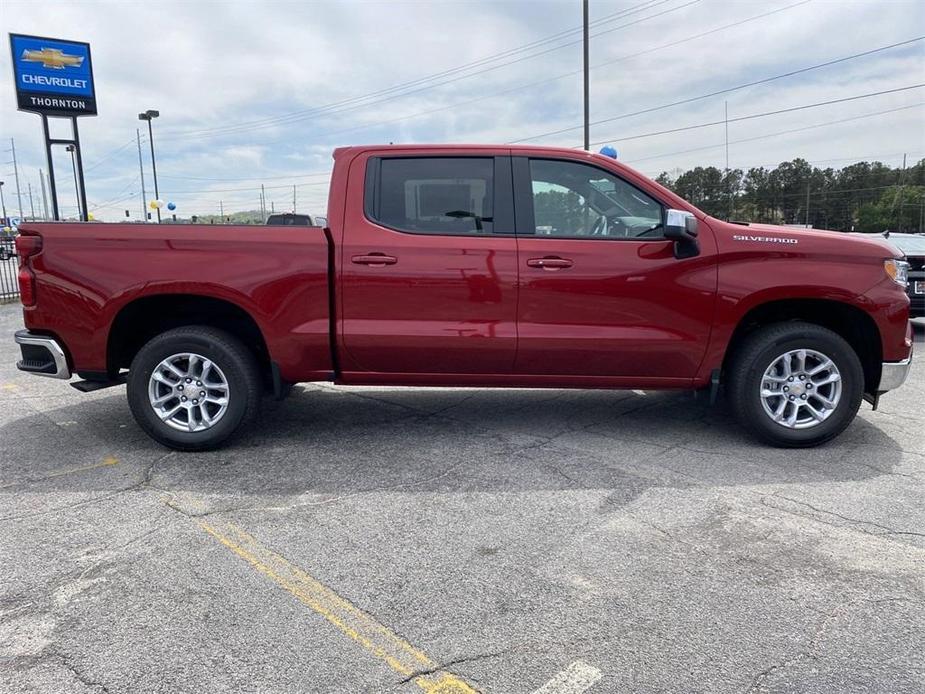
[
  {"x": 549, "y": 263},
  {"x": 375, "y": 259}
]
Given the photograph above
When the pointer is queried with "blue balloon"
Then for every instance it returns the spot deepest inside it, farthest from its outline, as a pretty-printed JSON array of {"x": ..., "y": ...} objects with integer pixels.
[
  {"x": 609, "y": 151},
  {"x": 171, "y": 206}
]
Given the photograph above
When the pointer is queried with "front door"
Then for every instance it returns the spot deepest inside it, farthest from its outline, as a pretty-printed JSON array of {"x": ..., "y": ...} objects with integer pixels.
[
  {"x": 429, "y": 266},
  {"x": 601, "y": 291}
]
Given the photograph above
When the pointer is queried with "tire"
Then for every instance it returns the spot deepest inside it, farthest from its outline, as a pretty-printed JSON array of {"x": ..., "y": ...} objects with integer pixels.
[
  {"x": 213, "y": 421},
  {"x": 758, "y": 380}
]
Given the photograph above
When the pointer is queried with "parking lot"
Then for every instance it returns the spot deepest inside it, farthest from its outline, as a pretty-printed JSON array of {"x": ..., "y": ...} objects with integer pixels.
[{"x": 451, "y": 540}]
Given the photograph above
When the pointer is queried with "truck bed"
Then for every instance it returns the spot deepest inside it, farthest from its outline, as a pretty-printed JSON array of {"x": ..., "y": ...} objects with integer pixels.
[{"x": 89, "y": 273}]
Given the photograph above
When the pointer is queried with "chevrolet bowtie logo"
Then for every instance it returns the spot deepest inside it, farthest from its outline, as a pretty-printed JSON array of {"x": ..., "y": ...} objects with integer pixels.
[{"x": 53, "y": 58}]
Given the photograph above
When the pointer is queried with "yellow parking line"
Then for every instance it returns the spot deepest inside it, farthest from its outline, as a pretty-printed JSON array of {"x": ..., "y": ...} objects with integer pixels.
[
  {"x": 376, "y": 638},
  {"x": 106, "y": 462}
]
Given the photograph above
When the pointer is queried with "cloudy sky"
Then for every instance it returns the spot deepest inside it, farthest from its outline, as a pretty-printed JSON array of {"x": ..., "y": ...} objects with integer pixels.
[{"x": 261, "y": 92}]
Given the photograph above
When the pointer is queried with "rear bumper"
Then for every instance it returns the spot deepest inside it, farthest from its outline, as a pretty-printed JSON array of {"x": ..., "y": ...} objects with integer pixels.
[
  {"x": 894, "y": 374},
  {"x": 41, "y": 355}
]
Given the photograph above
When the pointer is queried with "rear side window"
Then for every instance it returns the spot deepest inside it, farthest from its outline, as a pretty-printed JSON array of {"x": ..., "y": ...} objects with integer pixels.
[
  {"x": 285, "y": 220},
  {"x": 432, "y": 195}
]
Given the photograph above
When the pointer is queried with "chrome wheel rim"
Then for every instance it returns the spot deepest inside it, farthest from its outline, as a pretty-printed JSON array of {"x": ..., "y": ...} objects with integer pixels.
[
  {"x": 800, "y": 389},
  {"x": 188, "y": 392}
]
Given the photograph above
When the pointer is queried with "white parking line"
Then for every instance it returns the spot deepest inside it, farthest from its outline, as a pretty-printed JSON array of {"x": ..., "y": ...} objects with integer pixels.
[{"x": 576, "y": 678}]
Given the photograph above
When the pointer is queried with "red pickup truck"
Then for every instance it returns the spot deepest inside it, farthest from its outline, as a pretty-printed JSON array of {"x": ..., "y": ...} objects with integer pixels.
[{"x": 470, "y": 266}]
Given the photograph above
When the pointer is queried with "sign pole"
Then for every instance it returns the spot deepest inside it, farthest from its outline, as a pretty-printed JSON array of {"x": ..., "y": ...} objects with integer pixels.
[
  {"x": 85, "y": 213},
  {"x": 53, "y": 188}
]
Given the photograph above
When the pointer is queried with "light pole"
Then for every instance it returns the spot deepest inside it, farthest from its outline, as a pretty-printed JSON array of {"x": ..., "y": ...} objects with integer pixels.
[
  {"x": 72, "y": 149},
  {"x": 150, "y": 115}
]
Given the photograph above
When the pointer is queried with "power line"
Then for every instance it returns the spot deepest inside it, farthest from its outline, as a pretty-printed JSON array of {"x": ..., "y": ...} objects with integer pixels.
[
  {"x": 330, "y": 110},
  {"x": 727, "y": 90},
  {"x": 404, "y": 85},
  {"x": 504, "y": 92},
  {"x": 781, "y": 132},
  {"x": 761, "y": 115},
  {"x": 858, "y": 158},
  {"x": 252, "y": 188},
  {"x": 253, "y": 178}
]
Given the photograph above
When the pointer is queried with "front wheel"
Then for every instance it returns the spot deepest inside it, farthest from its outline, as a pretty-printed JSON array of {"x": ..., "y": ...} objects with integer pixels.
[
  {"x": 795, "y": 384},
  {"x": 192, "y": 387}
]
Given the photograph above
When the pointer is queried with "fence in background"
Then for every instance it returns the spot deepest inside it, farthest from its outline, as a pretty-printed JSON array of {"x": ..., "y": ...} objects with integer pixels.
[{"x": 9, "y": 266}]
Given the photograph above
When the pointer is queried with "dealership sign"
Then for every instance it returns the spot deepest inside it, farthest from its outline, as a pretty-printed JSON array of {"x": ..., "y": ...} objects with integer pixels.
[{"x": 53, "y": 77}]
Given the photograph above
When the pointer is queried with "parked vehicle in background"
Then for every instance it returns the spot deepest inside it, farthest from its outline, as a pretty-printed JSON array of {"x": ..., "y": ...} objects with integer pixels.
[
  {"x": 913, "y": 246},
  {"x": 289, "y": 219},
  {"x": 470, "y": 266}
]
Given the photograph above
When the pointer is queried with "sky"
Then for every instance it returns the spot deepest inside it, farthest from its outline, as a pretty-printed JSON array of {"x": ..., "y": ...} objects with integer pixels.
[{"x": 255, "y": 93}]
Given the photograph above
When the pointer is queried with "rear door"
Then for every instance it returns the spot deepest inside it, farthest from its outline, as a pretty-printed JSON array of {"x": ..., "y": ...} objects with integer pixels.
[
  {"x": 429, "y": 265},
  {"x": 601, "y": 291}
]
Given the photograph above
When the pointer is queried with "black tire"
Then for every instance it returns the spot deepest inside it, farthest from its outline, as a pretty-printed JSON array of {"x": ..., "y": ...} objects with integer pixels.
[
  {"x": 237, "y": 364},
  {"x": 756, "y": 354}
]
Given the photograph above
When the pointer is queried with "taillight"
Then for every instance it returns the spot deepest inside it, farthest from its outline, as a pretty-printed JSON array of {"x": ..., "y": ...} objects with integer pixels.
[
  {"x": 26, "y": 247},
  {"x": 26, "y": 286}
]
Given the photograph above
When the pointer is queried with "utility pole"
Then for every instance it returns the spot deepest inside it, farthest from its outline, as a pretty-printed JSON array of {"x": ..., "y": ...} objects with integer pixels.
[
  {"x": 72, "y": 149},
  {"x": 221, "y": 211},
  {"x": 141, "y": 172},
  {"x": 2, "y": 204},
  {"x": 293, "y": 199},
  {"x": 44, "y": 197},
  {"x": 584, "y": 10},
  {"x": 16, "y": 175},
  {"x": 263, "y": 203},
  {"x": 54, "y": 203},
  {"x": 272, "y": 207},
  {"x": 728, "y": 180},
  {"x": 902, "y": 194},
  {"x": 807, "y": 204}
]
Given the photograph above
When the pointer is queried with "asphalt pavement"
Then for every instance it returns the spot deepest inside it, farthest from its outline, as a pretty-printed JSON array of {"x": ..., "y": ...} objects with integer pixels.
[{"x": 457, "y": 540}]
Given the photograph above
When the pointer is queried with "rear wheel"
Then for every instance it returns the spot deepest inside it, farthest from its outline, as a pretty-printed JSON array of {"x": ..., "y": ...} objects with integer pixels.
[
  {"x": 192, "y": 387},
  {"x": 795, "y": 384}
]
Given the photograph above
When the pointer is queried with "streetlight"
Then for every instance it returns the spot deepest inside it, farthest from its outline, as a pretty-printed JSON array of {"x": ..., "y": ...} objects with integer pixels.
[
  {"x": 72, "y": 149},
  {"x": 150, "y": 115}
]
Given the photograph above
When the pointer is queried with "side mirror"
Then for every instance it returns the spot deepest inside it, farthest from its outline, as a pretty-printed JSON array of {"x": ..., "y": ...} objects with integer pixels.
[{"x": 681, "y": 227}]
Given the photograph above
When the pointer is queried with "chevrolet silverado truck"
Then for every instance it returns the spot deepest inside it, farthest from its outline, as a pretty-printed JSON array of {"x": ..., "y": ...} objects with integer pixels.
[{"x": 490, "y": 266}]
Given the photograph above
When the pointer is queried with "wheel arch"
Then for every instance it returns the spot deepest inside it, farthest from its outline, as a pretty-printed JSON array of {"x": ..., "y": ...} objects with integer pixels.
[
  {"x": 853, "y": 324},
  {"x": 144, "y": 317}
]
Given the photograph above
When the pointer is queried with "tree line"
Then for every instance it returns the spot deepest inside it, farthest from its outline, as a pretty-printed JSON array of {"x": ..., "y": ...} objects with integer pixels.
[{"x": 866, "y": 196}]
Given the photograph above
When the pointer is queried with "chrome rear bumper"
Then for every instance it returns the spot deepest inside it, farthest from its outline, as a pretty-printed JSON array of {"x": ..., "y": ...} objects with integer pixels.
[{"x": 42, "y": 356}]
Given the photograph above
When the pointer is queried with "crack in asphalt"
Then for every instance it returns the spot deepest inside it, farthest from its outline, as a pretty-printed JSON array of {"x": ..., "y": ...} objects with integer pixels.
[
  {"x": 809, "y": 653},
  {"x": 79, "y": 674},
  {"x": 144, "y": 482},
  {"x": 441, "y": 667},
  {"x": 853, "y": 522}
]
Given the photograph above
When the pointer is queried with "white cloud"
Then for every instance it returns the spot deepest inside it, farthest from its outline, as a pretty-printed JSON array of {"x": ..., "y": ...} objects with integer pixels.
[{"x": 209, "y": 65}]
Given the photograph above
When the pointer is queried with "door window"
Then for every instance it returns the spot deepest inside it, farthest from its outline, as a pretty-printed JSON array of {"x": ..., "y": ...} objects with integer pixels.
[
  {"x": 432, "y": 195},
  {"x": 575, "y": 200}
]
